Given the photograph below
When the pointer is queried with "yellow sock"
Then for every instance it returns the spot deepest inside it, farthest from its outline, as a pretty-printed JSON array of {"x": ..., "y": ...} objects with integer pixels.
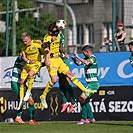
[
  {"x": 21, "y": 91},
  {"x": 30, "y": 83},
  {"x": 77, "y": 83},
  {"x": 25, "y": 88},
  {"x": 47, "y": 89}
]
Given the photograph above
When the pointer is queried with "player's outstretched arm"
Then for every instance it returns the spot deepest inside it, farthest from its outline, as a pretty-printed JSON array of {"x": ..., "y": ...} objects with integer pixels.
[
  {"x": 84, "y": 61},
  {"x": 78, "y": 63}
]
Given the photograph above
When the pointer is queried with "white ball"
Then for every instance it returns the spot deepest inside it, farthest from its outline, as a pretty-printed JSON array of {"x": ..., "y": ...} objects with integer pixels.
[
  {"x": 9, "y": 120},
  {"x": 61, "y": 24}
]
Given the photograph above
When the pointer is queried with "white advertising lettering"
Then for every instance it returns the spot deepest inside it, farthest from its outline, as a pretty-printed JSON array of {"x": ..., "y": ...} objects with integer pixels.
[
  {"x": 120, "y": 70},
  {"x": 97, "y": 106},
  {"x": 120, "y": 106},
  {"x": 102, "y": 72}
]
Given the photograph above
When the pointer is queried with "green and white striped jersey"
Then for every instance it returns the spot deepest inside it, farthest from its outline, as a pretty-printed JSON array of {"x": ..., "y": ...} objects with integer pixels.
[
  {"x": 62, "y": 42},
  {"x": 131, "y": 59},
  {"x": 62, "y": 39},
  {"x": 91, "y": 70},
  {"x": 17, "y": 68}
]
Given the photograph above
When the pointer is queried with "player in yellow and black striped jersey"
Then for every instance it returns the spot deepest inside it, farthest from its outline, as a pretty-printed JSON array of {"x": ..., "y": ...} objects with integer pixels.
[
  {"x": 31, "y": 54},
  {"x": 55, "y": 64}
]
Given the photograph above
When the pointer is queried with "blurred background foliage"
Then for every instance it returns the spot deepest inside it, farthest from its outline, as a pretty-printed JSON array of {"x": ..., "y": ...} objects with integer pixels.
[{"x": 36, "y": 27}]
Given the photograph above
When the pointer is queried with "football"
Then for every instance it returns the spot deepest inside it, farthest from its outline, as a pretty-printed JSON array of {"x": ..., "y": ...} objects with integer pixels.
[{"x": 61, "y": 24}]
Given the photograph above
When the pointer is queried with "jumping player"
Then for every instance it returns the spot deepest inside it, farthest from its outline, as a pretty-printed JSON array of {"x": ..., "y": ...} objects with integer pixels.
[
  {"x": 32, "y": 56},
  {"x": 56, "y": 64}
]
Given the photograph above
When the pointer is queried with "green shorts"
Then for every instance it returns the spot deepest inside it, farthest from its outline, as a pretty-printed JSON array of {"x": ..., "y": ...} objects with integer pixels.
[
  {"x": 93, "y": 86},
  {"x": 15, "y": 86}
]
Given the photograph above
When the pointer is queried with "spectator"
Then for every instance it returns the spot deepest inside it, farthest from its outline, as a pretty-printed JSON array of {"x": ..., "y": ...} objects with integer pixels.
[{"x": 120, "y": 36}]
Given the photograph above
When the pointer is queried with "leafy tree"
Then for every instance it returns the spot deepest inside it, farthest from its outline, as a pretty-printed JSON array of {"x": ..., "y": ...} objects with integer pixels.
[{"x": 26, "y": 23}]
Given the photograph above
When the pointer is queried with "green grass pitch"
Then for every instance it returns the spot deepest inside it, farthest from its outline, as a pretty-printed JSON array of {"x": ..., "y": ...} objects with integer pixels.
[{"x": 69, "y": 127}]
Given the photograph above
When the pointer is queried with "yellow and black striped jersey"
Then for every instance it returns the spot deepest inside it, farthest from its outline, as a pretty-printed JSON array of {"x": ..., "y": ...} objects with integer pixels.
[
  {"x": 33, "y": 51},
  {"x": 54, "y": 45}
]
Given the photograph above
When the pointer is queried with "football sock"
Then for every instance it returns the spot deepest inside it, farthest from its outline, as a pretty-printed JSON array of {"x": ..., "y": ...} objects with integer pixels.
[
  {"x": 25, "y": 88},
  {"x": 63, "y": 93},
  {"x": 31, "y": 111},
  {"x": 30, "y": 83},
  {"x": 89, "y": 111},
  {"x": 71, "y": 93},
  {"x": 21, "y": 91},
  {"x": 77, "y": 83},
  {"x": 84, "y": 111},
  {"x": 19, "y": 112},
  {"x": 47, "y": 89}
]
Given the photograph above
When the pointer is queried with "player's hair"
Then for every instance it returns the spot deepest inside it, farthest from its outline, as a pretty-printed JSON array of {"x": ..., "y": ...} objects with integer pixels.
[
  {"x": 52, "y": 26},
  {"x": 25, "y": 34},
  {"x": 131, "y": 43},
  {"x": 87, "y": 47}
]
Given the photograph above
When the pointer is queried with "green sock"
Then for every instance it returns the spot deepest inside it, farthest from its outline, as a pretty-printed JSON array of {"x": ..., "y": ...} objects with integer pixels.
[
  {"x": 84, "y": 111},
  {"x": 19, "y": 112},
  {"x": 89, "y": 111},
  {"x": 31, "y": 111},
  {"x": 63, "y": 93},
  {"x": 71, "y": 93}
]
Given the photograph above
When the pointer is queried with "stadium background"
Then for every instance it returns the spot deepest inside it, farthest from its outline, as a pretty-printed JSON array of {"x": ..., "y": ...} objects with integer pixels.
[{"x": 94, "y": 19}]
